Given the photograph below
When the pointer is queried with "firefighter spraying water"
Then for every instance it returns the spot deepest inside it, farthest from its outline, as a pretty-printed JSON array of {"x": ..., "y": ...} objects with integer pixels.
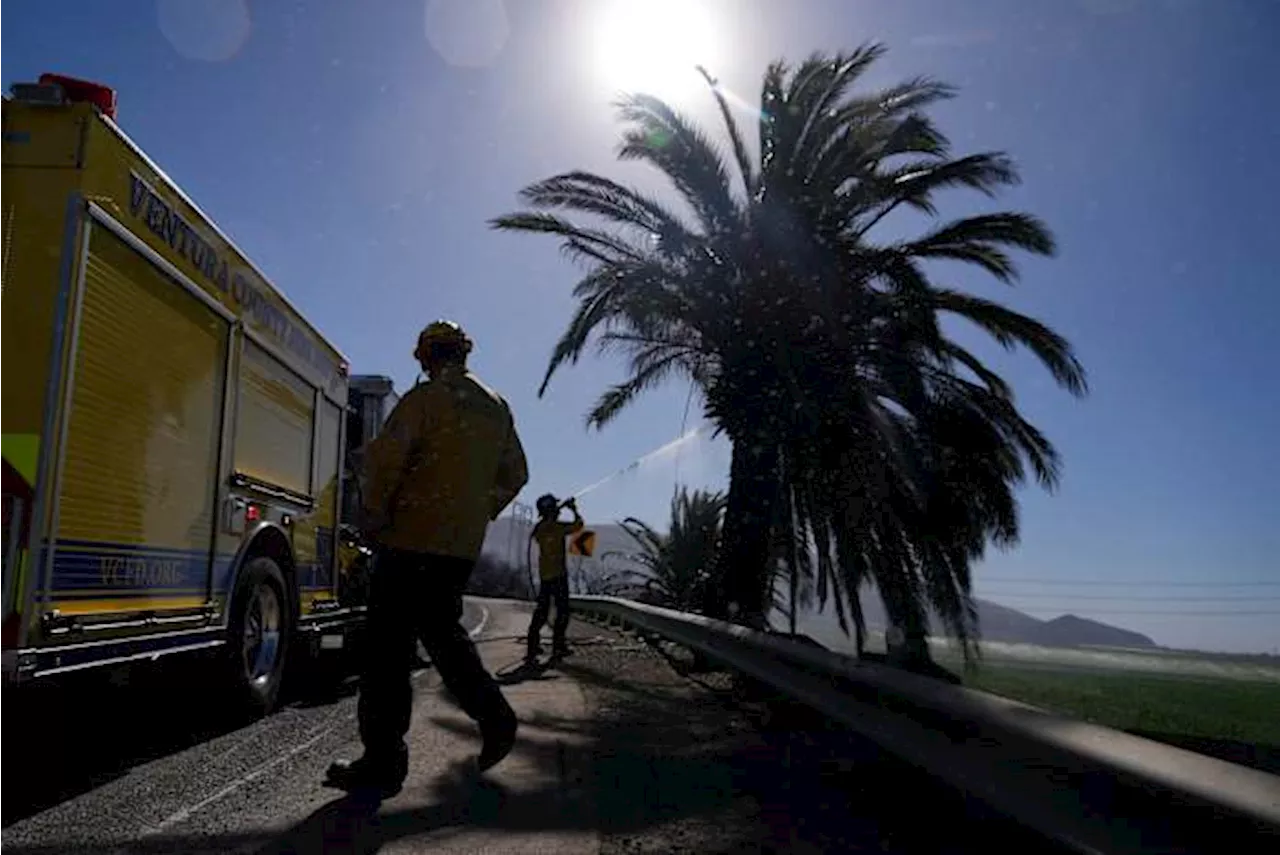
[
  {"x": 553, "y": 588},
  {"x": 550, "y": 535}
]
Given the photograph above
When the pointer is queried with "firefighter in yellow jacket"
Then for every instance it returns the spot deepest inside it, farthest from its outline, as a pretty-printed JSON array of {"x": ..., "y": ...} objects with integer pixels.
[
  {"x": 446, "y": 463},
  {"x": 549, "y": 533}
]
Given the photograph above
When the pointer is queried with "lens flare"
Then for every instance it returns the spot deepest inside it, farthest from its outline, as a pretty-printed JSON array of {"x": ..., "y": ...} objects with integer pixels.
[
  {"x": 653, "y": 46},
  {"x": 207, "y": 30}
]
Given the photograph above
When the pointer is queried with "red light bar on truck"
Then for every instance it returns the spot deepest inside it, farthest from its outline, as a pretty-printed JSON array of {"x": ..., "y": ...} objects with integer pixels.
[{"x": 102, "y": 97}]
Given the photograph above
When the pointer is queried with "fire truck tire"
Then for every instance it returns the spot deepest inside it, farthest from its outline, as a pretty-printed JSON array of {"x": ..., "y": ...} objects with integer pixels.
[{"x": 259, "y": 632}]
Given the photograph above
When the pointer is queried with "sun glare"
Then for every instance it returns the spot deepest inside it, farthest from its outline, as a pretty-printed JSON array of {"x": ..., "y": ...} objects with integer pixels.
[{"x": 652, "y": 46}]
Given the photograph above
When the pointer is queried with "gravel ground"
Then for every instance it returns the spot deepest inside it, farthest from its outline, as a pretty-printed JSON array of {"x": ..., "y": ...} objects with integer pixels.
[
  {"x": 702, "y": 764},
  {"x": 667, "y": 770}
]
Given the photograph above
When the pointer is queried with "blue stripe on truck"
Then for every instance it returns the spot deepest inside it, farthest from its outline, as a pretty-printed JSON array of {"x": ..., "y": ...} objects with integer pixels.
[
  {"x": 92, "y": 569},
  {"x": 88, "y": 569}
]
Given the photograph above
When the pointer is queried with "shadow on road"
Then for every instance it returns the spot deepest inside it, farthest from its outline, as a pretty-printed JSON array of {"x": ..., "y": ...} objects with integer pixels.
[
  {"x": 92, "y": 727},
  {"x": 459, "y": 798},
  {"x": 521, "y": 671},
  {"x": 660, "y": 757}
]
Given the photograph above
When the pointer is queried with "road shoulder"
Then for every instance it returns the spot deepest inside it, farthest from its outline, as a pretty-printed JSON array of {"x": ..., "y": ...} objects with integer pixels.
[{"x": 669, "y": 755}]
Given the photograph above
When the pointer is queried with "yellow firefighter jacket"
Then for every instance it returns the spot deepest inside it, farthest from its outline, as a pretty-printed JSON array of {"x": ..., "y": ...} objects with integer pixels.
[
  {"x": 447, "y": 462},
  {"x": 550, "y": 535}
]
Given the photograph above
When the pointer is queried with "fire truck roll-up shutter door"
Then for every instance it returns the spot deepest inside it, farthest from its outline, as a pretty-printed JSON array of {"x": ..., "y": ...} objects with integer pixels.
[
  {"x": 314, "y": 543},
  {"x": 274, "y": 422},
  {"x": 138, "y": 485}
]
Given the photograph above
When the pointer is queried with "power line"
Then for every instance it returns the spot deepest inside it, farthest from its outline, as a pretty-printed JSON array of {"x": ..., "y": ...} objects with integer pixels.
[
  {"x": 1244, "y": 598},
  {"x": 1152, "y": 583},
  {"x": 1132, "y": 612}
]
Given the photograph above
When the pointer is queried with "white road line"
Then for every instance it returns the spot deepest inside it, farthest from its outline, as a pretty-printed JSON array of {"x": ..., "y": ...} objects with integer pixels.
[
  {"x": 186, "y": 812},
  {"x": 484, "y": 619}
]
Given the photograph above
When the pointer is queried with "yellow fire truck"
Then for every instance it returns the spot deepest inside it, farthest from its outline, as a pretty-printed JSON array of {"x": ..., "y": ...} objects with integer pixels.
[{"x": 173, "y": 428}]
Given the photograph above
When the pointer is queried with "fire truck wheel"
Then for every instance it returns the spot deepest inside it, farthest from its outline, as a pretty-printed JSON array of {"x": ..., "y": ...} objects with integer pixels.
[{"x": 259, "y": 633}]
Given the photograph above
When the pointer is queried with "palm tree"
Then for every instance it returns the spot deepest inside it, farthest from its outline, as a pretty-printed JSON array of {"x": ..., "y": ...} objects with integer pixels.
[
  {"x": 597, "y": 582},
  {"x": 679, "y": 564},
  {"x": 866, "y": 442},
  {"x": 681, "y": 570}
]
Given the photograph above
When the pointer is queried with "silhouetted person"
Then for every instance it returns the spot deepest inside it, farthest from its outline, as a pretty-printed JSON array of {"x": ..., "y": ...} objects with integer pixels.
[
  {"x": 550, "y": 533},
  {"x": 446, "y": 463}
]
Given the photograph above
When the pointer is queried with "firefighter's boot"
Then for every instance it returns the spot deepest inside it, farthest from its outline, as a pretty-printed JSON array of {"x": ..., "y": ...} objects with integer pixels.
[
  {"x": 383, "y": 778},
  {"x": 532, "y": 652},
  {"x": 499, "y": 734}
]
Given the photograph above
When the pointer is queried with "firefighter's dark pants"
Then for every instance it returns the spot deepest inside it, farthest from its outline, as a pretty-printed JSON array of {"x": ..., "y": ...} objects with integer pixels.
[
  {"x": 417, "y": 595},
  {"x": 551, "y": 591}
]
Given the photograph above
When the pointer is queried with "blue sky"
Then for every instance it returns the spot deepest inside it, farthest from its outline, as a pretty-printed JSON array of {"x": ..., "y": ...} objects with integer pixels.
[{"x": 356, "y": 156}]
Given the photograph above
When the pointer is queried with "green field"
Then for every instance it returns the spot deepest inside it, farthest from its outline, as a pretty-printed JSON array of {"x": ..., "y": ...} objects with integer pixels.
[
  {"x": 1235, "y": 719},
  {"x": 1219, "y": 704}
]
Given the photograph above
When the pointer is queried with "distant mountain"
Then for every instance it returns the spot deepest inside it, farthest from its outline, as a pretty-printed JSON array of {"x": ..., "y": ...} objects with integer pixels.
[
  {"x": 506, "y": 539},
  {"x": 1002, "y": 623},
  {"x": 1072, "y": 631}
]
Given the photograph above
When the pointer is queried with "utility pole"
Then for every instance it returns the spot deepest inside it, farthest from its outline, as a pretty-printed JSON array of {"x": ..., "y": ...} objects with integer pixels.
[{"x": 521, "y": 528}]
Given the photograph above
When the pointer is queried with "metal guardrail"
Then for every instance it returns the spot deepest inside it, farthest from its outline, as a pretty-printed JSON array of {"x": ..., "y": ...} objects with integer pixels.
[{"x": 1089, "y": 788}]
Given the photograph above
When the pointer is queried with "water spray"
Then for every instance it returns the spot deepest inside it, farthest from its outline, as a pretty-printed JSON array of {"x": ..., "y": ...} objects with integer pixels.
[{"x": 648, "y": 457}]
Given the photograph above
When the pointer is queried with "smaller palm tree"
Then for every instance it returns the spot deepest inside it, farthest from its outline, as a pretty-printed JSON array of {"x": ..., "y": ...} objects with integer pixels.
[
  {"x": 681, "y": 570},
  {"x": 678, "y": 564},
  {"x": 600, "y": 582}
]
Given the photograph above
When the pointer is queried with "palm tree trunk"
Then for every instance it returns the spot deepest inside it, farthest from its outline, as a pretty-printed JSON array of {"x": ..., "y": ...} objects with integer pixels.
[
  {"x": 916, "y": 630},
  {"x": 745, "y": 549},
  {"x": 795, "y": 594},
  {"x": 906, "y": 612}
]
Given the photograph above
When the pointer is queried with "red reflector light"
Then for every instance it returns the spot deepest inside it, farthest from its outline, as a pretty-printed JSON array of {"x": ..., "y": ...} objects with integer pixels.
[
  {"x": 9, "y": 635},
  {"x": 102, "y": 97},
  {"x": 253, "y": 513}
]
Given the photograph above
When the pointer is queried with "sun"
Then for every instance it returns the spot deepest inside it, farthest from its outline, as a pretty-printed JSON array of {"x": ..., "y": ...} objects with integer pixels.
[{"x": 652, "y": 46}]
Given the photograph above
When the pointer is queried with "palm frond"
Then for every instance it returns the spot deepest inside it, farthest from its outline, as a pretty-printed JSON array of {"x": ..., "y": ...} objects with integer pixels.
[
  {"x": 816, "y": 88},
  {"x": 590, "y": 313},
  {"x": 1011, "y": 328},
  {"x": 620, "y": 395},
  {"x": 914, "y": 184},
  {"x": 979, "y": 240},
  {"x": 593, "y": 194},
  {"x": 746, "y": 171},
  {"x": 772, "y": 111},
  {"x": 599, "y": 243},
  {"x": 952, "y": 352},
  {"x": 668, "y": 140}
]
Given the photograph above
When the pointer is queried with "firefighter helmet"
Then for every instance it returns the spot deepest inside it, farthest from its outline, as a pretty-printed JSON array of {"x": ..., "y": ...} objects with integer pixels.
[
  {"x": 442, "y": 336},
  {"x": 547, "y": 504}
]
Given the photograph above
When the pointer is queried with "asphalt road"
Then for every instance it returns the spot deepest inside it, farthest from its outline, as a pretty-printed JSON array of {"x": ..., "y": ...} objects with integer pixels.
[
  {"x": 95, "y": 766},
  {"x": 610, "y": 759}
]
